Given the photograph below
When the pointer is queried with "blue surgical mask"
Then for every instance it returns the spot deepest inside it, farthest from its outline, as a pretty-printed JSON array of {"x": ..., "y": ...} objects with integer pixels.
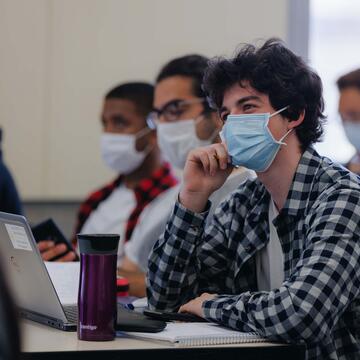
[{"x": 249, "y": 140}]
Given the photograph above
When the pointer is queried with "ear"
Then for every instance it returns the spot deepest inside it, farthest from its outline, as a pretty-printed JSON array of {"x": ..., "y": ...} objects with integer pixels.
[
  {"x": 152, "y": 136},
  {"x": 295, "y": 123},
  {"x": 215, "y": 118}
]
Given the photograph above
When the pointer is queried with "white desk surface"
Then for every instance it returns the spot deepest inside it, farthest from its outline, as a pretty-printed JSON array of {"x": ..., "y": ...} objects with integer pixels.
[{"x": 41, "y": 338}]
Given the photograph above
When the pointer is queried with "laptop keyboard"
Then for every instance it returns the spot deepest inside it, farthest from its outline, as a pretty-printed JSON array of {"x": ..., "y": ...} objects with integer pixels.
[{"x": 71, "y": 312}]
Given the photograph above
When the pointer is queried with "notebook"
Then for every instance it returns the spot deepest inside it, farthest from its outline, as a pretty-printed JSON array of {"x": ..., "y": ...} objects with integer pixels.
[{"x": 199, "y": 334}]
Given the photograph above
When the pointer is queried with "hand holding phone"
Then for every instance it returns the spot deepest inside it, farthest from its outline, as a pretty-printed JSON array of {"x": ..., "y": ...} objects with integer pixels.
[{"x": 52, "y": 243}]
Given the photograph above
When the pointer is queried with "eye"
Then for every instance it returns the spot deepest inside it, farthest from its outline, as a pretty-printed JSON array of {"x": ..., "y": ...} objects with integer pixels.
[
  {"x": 223, "y": 116},
  {"x": 119, "y": 123},
  {"x": 248, "y": 107},
  {"x": 173, "y": 110}
]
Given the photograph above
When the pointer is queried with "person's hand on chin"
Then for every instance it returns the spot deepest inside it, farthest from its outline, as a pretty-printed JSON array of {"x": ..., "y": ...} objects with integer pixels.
[{"x": 206, "y": 170}]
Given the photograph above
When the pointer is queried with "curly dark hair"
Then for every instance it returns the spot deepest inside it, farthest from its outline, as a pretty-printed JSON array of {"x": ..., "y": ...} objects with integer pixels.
[{"x": 274, "y": 70}]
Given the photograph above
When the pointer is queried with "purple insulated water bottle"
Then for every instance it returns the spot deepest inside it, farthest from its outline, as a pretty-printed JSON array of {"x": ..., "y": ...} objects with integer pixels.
[{"x": 97, "y": 288}]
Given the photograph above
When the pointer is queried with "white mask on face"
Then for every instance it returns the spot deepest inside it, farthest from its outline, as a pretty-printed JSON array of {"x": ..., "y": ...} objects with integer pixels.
[
  {"x": 352, "y": 131},
  {"x": 177, "y": 139},
  {"x": 119, "y": 151}
]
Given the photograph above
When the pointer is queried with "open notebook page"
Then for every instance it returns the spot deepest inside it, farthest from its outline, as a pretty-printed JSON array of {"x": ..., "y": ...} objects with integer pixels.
[{"x": 192, "y": 334}]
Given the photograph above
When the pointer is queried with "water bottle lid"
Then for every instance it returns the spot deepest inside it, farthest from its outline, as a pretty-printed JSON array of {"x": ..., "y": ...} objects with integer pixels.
[
  {"x": 122, "y": 286},
  {"x": 98, "y": 243}
]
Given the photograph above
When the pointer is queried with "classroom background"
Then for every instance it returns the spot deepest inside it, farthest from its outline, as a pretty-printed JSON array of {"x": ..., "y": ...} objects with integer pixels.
[{"x": 59, "y": 57}]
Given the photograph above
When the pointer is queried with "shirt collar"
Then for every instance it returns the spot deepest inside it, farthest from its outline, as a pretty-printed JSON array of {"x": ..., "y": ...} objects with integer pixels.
[
  {"x": 302, "y": 184},
  {"x": 160, "y": 180},
  {"x": 298, "y": 195}
]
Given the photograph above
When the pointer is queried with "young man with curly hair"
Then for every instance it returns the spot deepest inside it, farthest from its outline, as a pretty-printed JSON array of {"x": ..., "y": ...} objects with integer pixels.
[{"x": 281, "y": 254}]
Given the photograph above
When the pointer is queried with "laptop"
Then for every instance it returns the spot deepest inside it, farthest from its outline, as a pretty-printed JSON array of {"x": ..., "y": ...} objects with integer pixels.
[
  {"x": 34, "y": 291},
  {"x": 28, "y": 277}
]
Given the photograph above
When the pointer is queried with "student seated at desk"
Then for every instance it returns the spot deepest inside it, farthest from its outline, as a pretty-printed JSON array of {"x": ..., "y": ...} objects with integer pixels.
[
  {"x": 281, "y": 255},
  {"x": 129, "y": 148},
  {"x": 9, "y": 330},
  {"x": 184, "y": 121}
]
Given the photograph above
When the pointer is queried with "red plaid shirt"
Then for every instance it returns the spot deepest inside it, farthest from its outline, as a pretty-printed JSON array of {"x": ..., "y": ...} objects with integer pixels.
[{"x": 146, "y": 191}]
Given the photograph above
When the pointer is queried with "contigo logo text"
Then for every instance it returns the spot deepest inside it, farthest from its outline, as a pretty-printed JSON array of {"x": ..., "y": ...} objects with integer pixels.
[{"x": 88, "y": 327}]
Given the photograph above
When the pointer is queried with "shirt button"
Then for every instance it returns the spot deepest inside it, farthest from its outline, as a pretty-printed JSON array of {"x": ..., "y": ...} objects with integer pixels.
[
  {"x": 248, "y": 248},
  {"x": 194, "y": 227}
]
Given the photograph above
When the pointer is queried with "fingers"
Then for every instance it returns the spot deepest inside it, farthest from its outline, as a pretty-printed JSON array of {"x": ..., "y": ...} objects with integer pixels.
[
  {"x": 205, "y": 160},
  {"x": 49, "y": 251},
  {"x": 70, "y": 256},
  {"x": 194, "y": 306},
  {"x": 45, "y": 245},
  {"x": 213, "y": 158},
  {"x": 185, "y": 308},
  {"x": 222, "y": 156}
]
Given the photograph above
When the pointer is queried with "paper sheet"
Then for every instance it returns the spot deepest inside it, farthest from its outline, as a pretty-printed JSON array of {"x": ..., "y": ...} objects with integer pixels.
[
  {"x": 65, "y": 277},
  {"x": 193, "y": 334},
  {"x": 18, "y": 237}
]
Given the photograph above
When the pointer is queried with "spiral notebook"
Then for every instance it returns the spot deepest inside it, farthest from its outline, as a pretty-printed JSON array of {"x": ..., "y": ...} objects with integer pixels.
[{"x": 199, "y": 334}]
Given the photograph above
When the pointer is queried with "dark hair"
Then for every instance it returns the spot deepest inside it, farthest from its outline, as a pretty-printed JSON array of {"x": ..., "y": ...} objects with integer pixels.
[
  {"x": 9, "y": 329},
  {"x": 191, "y": 66},
  {"x": 140, "y": 93},
  {"x": 351, "y": 79},
  {"x": 275, "y": 71}
]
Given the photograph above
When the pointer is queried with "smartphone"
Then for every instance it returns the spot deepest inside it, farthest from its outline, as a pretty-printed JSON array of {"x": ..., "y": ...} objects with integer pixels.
[
  {"x": 172, "y": 316},
  {"x": 48, "y": 230},
  {"x": 128, "y": 320}
]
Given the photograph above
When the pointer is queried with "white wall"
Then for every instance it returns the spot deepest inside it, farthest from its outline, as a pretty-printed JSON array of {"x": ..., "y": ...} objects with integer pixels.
[{"x": 59, "y": 57}]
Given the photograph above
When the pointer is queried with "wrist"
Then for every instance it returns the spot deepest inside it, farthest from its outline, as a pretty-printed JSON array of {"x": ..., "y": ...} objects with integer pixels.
[{"x": 193, "y": 201}]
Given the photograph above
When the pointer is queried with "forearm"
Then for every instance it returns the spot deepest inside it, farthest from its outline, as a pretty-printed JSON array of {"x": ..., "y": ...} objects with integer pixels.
[
  {"x": 172, "y": 272},
  {"x": 137, "y": 286},
  {"x": 306, "y": 307},
  {"x": 250, "y": 312}
]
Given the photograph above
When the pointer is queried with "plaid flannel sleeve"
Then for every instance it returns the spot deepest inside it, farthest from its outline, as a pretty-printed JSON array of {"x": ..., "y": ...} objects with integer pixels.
[
  {"x": 175, "y": 272},
  {"x": 323, "y": 283}
]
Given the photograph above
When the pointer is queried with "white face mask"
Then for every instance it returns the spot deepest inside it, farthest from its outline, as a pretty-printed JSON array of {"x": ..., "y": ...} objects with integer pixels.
[
  {"x": 352, "y": 131},
  {"x": 119, "y": 151},
  {"x": 177, "y": 139}
]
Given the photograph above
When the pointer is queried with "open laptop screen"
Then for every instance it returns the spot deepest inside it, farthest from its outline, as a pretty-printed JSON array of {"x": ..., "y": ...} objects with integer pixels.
[{"x": 27, "y": 276}]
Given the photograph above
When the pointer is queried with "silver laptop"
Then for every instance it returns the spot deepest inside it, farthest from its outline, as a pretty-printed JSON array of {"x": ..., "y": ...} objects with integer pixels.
[{"x": 28, "y": 277}]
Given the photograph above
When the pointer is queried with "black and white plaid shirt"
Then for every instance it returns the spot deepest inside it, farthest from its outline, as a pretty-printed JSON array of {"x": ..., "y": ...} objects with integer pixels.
[{"x": 319, "y": 229}]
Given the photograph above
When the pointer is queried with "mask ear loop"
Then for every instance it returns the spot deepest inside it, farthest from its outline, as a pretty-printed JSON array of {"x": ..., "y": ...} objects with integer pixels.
[
  {"x": 140, "y": 134},
  {"x": 281, "y": 142},
  {"x": 279, "y": 111}
]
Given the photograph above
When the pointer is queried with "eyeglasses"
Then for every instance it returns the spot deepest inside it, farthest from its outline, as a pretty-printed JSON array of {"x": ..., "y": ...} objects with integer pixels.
[{"x": 171, "y": 111}]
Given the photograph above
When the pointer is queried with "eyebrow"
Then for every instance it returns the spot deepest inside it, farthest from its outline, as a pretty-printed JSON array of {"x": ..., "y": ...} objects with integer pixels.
[
  {"x": 241, "y": 101},
  {"x": 174, "y": 101},
  {"x": 115, "y": 116}
]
